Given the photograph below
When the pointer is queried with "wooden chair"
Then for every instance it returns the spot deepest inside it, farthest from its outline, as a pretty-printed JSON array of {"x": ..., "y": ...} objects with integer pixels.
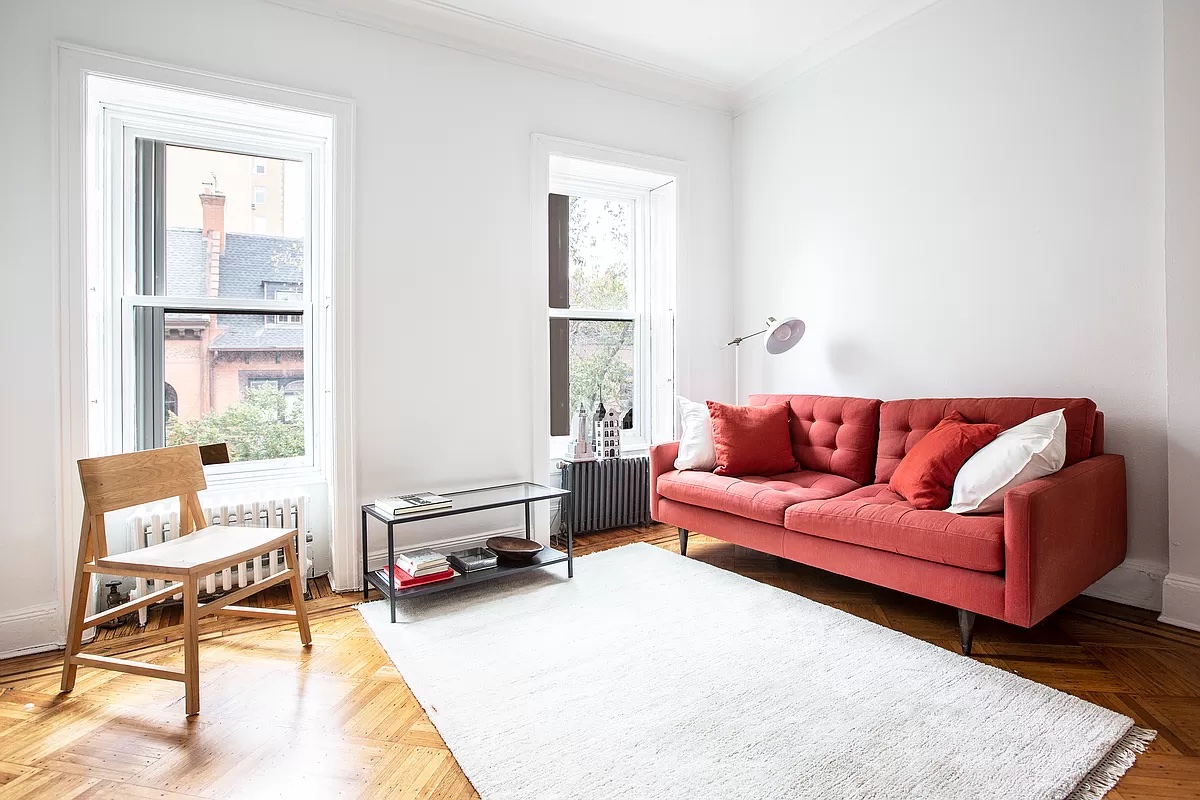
[{"x": 122, "y": 481}]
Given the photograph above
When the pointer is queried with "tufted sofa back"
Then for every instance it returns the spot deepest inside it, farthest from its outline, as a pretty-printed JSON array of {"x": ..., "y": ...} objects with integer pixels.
[
  {"x": 903, "y": 423},
  {"x": 831, "y": 434}
]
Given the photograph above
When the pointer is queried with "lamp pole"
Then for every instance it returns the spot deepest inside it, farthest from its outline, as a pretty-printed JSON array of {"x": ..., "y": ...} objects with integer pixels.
[{"x": 736, "y": 344}]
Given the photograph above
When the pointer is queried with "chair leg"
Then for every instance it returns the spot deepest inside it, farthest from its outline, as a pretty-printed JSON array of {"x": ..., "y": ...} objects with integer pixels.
[
  {"x": 292, "y": 560},
  {"x": 79, "y": 600},
  {"x": 191, "y": 645},
  {"x": 683, "y": 537},
  {"x": 966, "y": 630},
  {"x": 79, "y": 605}
]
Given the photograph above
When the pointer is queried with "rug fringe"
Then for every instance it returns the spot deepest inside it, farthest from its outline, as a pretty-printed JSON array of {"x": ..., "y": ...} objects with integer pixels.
[{"x": 1120, "y": 758}]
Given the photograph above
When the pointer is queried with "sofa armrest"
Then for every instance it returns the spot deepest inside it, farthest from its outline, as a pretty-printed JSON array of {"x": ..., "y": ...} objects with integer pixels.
[
  {"x": 1062, "y": 533},
  {"x": 662, "y": 459}
]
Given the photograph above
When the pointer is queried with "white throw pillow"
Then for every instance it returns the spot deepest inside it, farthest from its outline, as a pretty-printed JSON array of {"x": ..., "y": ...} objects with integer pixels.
[
  {"x": 696, "y": 448},
  {"x": 1025, "y": 452}
]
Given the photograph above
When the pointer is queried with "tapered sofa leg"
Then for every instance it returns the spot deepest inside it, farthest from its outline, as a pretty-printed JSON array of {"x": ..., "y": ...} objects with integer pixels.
[
  {"x": 966, "y": 630},
  {"x": 683, "y": 534}
]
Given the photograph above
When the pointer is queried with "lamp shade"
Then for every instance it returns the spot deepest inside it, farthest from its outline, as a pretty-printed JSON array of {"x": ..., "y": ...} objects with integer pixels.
[{"x": 782, "y": 335}]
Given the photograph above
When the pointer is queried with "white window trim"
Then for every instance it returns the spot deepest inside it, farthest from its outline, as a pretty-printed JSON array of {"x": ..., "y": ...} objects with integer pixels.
[
  {"x": 80, "y": 240},
  {"x": 542, "y": 148}
]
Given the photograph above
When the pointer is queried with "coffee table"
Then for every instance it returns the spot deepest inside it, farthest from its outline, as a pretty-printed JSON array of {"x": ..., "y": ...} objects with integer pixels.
[{"x": 513, "y": 494}]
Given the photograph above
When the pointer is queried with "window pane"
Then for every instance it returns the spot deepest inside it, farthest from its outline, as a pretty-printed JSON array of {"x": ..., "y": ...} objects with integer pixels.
[
  {"x": 601, "y": 364},
  {"x": 234, "y": 378},
  {"x": 601, "y": 254},
  {"x": 234, "y": 223}
]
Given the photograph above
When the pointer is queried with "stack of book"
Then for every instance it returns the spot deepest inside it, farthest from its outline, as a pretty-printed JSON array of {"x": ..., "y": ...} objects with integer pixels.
[
  {"x": 418, "y": 567},
  {"x": 412, "y": 503}
]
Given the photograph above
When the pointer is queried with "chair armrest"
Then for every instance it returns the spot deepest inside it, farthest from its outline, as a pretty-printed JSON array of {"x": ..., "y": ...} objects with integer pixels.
[
  {"x": 662, "y": 459},
  {"x": 1062, "y": 533}
]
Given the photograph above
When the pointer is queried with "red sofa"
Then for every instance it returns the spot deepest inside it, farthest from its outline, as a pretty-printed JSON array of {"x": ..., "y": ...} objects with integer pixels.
[{"x": 1056, "y": 536}]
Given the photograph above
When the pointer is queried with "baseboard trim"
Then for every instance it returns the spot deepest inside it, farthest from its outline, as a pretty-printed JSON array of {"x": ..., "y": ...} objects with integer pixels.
[
  {"x": 1134, "y": 582},
  {"x": 33, "y": 629},
  {"x": 1181, "y": 601}
]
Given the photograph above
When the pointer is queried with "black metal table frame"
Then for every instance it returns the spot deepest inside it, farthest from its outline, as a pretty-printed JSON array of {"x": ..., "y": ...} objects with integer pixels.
[{"x": 469, "y": 578}]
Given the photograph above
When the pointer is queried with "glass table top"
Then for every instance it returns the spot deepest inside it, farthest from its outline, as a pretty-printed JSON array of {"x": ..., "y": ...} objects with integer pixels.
[{"x": 477, "y": 500}]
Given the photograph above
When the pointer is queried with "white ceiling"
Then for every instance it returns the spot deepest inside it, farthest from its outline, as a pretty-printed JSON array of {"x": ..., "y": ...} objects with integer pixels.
[
  {"x": 716, "y": 53},
  {"x": 726, "y": 43}
]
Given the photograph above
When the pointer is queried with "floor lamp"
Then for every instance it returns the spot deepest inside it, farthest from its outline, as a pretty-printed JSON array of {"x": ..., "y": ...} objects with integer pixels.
[{"x": 782, "y": 335}]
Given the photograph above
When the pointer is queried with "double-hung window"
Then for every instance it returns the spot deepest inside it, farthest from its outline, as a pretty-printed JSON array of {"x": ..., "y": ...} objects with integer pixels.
[
  {"x": 207, "y": 334},
  {"x": 610, "y": 303}
]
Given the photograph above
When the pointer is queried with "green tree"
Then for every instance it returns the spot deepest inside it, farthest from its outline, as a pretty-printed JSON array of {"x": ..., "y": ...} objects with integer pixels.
[{"x": 264, "y": 425}]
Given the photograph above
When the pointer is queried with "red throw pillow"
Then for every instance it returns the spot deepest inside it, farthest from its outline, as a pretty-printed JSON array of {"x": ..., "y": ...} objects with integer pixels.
[
  {"x": 751, "y": 440},
  {"x": 925, "y": 476}
]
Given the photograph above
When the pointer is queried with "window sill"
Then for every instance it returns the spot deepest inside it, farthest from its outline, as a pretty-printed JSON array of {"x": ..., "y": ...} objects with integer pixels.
[{"x": 263, "y": 476}]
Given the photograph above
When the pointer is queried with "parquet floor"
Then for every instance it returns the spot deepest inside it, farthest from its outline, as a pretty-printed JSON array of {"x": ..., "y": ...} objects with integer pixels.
[{"x": 338, "y": 721}]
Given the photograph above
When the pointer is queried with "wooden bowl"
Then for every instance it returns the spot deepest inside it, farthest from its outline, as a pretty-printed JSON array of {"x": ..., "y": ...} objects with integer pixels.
[{"x": 514, "y": 549}]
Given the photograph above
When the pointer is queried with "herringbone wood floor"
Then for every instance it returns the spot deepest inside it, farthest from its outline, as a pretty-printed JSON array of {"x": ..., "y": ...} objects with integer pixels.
[{"x": 338, "y": 721}]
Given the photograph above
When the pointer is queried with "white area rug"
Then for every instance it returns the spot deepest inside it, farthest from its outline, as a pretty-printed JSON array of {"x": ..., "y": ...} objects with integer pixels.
[{"x": 650, "y": 675}]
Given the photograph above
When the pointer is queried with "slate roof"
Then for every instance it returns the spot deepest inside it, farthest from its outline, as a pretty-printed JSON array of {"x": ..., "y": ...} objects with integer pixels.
[{"x": 251, "y": 265}]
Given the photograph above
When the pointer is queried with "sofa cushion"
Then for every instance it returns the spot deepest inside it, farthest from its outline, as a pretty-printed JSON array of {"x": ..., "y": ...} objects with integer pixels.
[
  {"x": 751, "y": 440},
  {"x": 831, "y": 434},
  {"x": 875, "y": 516},
  {"x": 753, "y": 497},
  {"x": 925, "y": 477},
  {"x": 903, "y": 423}
]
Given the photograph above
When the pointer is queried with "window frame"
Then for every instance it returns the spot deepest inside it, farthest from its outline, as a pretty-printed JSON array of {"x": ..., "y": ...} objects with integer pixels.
[
  {"x": 324, "y": 122},
  {"x": 112, "y": 403},
  {"x": 279, "y": 319},
  {"x": 638, "y": 438}
]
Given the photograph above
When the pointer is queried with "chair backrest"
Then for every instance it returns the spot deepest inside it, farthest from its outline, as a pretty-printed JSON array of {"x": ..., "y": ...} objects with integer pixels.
[{"x": 131, "y": 479}]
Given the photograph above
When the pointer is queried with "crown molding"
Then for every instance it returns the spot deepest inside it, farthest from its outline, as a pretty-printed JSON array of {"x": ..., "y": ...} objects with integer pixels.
[
  {"x": 437, "y": 22},
  {"x": 869, "y": 25},
  {"x": 440, "y": 24}
]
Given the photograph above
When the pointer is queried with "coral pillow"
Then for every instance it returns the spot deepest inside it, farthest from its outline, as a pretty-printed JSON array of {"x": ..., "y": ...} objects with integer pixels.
[
  {"x": 925, "y": 476},
  {"x": 752, "y": 440}
]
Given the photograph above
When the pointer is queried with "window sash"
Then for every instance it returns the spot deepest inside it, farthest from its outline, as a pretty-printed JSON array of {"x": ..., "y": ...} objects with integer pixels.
[
  {"x": 143, "y": 303},
  {"x": 561, "y": 314}
]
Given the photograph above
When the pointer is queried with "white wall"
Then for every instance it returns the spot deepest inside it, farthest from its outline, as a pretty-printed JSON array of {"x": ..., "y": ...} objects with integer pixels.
[
  {"x": 1181, "y": 591},
  {"x": 971, "y": 204},
  {"x": 442, "y": 243}
]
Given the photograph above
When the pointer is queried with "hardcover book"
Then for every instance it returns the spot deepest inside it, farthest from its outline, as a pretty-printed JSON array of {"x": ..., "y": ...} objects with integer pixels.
[
  {"x": 422, "y": 562},
  {"x": 411, "y": 503},
  {"x": 403, "y": 580}
]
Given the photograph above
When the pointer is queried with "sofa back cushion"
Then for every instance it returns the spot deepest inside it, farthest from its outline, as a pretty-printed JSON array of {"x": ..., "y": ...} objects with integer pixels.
[
  {"x": 836, "y": 435},
  {"x": 903, "y": 423}
]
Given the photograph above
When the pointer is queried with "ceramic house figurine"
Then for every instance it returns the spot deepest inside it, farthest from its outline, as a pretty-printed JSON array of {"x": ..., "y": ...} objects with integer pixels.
[
  {"x": 580, "y": 448},
  {"x": 607, "y": 436}
]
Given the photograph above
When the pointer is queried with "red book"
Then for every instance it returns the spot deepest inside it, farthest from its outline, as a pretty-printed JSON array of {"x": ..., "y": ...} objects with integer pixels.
[{"x": 403, "y": 580}]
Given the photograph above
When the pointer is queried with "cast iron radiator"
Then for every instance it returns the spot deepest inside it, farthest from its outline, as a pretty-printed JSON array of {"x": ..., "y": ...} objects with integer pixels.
[{"x": 609, "y": 493}]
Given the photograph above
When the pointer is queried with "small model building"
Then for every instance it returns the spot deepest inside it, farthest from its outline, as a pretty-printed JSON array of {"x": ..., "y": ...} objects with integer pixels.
[
  {"x": 580, "y": 448},
  {"x": 607, "y": 436}
]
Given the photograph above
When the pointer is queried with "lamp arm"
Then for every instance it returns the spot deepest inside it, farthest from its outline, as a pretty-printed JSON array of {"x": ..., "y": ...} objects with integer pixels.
[{"x": 741, "y": 339}]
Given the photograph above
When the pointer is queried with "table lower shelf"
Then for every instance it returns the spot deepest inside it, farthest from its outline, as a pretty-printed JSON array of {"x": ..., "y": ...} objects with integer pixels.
[{"x": 545, "y": 558}]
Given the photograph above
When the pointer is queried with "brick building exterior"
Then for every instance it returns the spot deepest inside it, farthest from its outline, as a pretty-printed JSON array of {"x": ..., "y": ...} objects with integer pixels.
[{"x": 211, "y": 360}]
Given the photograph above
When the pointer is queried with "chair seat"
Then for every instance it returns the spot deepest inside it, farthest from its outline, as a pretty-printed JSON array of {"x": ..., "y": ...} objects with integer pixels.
[{"x": 198, "y": 553}]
